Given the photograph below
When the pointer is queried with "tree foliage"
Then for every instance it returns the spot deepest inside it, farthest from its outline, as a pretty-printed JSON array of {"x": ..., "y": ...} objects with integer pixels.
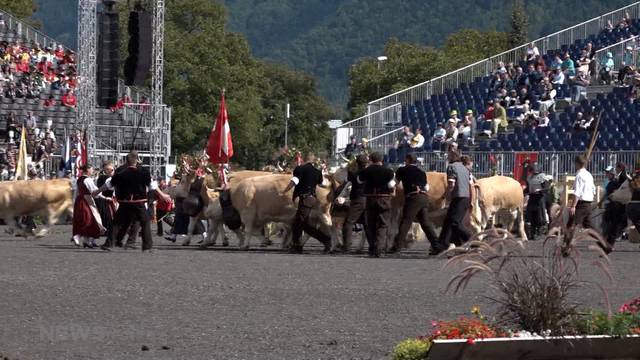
[
  {"x": 201, "y": 58},
  {"x": 23, "y": 9},
  {"x": 519, "y": 24},
  {"x": 409, "y": 64}
]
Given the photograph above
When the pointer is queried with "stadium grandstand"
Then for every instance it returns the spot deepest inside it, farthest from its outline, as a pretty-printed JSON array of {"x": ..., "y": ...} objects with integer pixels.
[
  {"x": 38, "y": 80},
  {"x": 543, "y": 100}
]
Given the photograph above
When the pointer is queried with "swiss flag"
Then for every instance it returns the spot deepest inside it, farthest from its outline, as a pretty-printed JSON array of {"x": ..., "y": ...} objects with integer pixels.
[{"x": 220, "y": 147}]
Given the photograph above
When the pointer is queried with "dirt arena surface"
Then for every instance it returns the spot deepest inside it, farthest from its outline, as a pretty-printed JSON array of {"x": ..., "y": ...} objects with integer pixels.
[{"x": 62, "y": 302}]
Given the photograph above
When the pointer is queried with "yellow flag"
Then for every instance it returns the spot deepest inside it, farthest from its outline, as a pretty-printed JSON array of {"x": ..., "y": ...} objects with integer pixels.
[{"x": 21, "y": 166}]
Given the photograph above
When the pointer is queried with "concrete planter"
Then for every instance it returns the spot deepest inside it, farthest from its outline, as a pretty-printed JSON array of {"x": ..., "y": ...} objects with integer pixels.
[{"x": 582, "y": 348}]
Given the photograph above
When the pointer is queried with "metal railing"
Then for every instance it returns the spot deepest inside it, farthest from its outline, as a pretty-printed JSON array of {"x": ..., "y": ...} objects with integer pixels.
[
  {"x": 371, "y": 126},
  {"x": 620, "y": 55},
  {"x": 482, "y": 68},
  {"x": 556, "y": 164},
  {"x": 11, "y": 23}
]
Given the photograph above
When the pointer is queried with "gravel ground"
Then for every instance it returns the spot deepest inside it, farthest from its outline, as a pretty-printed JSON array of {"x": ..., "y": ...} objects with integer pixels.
[{"x": 61, "y": 302}]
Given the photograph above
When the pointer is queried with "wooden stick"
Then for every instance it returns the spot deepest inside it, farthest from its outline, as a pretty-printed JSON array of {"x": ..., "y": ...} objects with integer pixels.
[{"x": 594, "y": 137}]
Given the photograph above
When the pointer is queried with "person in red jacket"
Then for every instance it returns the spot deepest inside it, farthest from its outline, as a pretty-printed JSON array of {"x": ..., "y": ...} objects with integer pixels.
[{"x": 69, "y": 100}]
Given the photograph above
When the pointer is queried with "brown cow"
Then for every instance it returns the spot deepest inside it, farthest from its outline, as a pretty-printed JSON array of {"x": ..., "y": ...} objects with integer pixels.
[
  {"x": 212, "y": 211},
  {"x": 261, "y": 200},
  {"x": 47, "y": 198},
  {"x": 497, "y": 193}
]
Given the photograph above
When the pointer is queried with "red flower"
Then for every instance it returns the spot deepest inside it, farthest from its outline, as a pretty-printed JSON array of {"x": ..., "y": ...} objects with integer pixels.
[{"x": 471, "y": 341}]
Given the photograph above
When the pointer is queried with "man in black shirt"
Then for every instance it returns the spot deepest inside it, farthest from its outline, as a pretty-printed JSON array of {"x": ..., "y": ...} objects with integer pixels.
[
  {"x": 305, "y": 180},
  {"x": 416, "y": 203},
  {"x": 131, "y": 191},
  {"x": 378, "y": 186},
  {"x": 357, "y": 202}
]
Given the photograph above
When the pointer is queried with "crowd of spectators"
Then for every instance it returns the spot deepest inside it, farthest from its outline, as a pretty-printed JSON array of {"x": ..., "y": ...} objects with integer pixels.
[{"x": 525, "y": 93}]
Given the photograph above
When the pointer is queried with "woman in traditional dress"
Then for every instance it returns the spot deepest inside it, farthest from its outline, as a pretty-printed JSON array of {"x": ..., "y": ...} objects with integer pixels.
[
  {"x": 87, "y": 225},
  {"x": 105, "y": 200}
]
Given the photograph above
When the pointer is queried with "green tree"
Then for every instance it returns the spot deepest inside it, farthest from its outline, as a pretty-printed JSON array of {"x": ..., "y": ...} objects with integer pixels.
[
  {"x": 410, "y": 64},
  {"x": 201, "y": 57},
  {"x": 519, "y": 24},
  {"x": 23, "y": 9}
]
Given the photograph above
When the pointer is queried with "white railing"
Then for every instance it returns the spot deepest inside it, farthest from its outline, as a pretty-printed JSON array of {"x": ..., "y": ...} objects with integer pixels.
[
  {"x": 482, "y": 68},
  {"x": 370, "y": 126},
  {"x": 11, "y": 24}
]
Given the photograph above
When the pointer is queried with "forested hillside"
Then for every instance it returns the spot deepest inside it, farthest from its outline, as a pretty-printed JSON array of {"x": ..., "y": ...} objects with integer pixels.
[{"x": 325, "y": 37}]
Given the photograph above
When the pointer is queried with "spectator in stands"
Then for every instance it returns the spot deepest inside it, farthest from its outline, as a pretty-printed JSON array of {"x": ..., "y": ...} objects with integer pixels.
[
  {"x": 451, "y": 136},
  {"x": 580, "y": 87},
  {"x": 418, "y": 141},
  {"x": 439, "y": 136},
  {"x": 454, "y": 116},
  {"x": 558, "y": 77},
  {"x": 527, "y": 116},
  {"x": 11, "y": 93},
  {"x": 557, "y": 62},
  {"x": 532, "y": 52},
  {"x": 606, "y": 69},
  {"x": 547, "y": 98},
  {"x": 120, "y": 103},
  {"x": 405, "y": 138},
  {"x": 500, "y": 119},
  {"x": 69, "y": 100},
  {"x": 12, "y": 126},
  {"x": 520, "y": 78},
  {"x": 584, "y": 61},
  {"x": 49, "y": 102},
  {"x": 489, "y": 111},
  {"x": 568, "y": 66},
  {"x": 543, "y": 119},
  {"x": 31, "y": 121}
]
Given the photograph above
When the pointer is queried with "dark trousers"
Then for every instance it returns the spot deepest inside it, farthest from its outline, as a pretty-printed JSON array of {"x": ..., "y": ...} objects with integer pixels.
[
  {"x": 159, "y": 215},
  {"x": 582, "y": 215},
  {"x": 535, "y": 214},
  {"x": 415, "y": 209},
  {"x": 453, "y": 229},
  {"x": 126, "y": 214},
  {"x": 633, "y": 214},
  {"x": 301, "y": 223},
  {"x": 377, "y": 220},
  {"x": 614, "y": 221},
  {"x": 356, "y": 210}
]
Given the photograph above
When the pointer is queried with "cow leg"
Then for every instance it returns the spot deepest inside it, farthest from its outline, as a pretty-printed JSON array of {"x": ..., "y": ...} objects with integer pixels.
[
  {"x": 268, "y": 231},
  {"x": 286, "y": 239},
  {"x": 192, "y": 227},
  {"x": 212, "y": 234},
  {"x": 520, "y": 215}
]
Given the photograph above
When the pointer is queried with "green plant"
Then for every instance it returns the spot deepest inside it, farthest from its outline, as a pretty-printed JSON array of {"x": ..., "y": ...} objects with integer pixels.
[
  {"x": 532, "y": 293},
  {"x": 411, "y": 349},
  {"x": 601, "y": 323}
]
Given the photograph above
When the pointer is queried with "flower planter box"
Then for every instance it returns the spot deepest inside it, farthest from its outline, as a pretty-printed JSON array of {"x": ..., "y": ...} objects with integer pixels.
[{"x": 583, "y": 348}]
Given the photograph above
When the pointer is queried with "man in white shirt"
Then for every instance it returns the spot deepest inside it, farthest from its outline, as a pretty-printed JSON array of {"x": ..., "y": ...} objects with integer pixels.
[
  {"x": 584, "y": 191},
  {"x": 418, "y": 140}
]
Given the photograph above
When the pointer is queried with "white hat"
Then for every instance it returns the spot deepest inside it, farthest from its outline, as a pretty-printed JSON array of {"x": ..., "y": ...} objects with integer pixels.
[{"x": 609, "y": 169}]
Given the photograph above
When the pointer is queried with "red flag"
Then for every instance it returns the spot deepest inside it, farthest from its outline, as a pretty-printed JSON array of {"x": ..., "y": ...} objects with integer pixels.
[{"x": 220, "y": 147}]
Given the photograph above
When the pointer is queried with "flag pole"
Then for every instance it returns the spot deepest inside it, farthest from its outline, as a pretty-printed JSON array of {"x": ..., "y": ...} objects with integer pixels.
[{"x": 287, "y": 114}]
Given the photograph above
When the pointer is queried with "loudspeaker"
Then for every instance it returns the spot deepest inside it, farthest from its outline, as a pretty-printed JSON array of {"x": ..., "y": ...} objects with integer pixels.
[
  {"x": 138, "y": 63},
  {"x": 108, "y": 60}
]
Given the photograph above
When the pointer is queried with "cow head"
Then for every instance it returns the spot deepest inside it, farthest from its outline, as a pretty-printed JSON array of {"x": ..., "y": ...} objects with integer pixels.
[{"x": 622, "y": 195}]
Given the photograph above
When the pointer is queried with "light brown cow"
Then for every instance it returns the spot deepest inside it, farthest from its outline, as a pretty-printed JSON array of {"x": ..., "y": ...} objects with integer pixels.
[
  {"x": 497, "y": 193},
  {"x": 47, "y": 198},
  {"x": 212, "y": 211},
  {"x": 260, "y": 200}
]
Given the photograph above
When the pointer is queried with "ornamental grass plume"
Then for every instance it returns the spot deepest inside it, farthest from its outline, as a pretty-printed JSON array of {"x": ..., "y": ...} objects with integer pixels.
[{"x": 533, "y": 294}]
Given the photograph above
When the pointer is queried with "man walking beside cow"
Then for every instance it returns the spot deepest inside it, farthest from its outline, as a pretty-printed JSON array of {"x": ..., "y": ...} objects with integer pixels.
[{"x": 304, "y": 181}]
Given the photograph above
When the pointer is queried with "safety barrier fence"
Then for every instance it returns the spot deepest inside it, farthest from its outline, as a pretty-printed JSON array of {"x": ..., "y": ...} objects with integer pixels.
[
  {"x": 371, "y": 126},
  {"x": 621, "y": 54},
  {"x": 556, "y": 164}
]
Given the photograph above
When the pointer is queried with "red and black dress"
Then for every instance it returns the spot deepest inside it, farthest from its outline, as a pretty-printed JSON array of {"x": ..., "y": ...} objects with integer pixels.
[{"x": 86, "y": 219}]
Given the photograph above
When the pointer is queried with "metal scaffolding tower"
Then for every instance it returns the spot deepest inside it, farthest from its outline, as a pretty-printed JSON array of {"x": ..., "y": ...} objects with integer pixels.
[
  {"x": 86, "y": 93},
  {"x": 160, "y": 123}
]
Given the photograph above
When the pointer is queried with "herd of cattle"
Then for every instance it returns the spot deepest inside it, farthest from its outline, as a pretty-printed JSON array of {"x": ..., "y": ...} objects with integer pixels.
[{"x": 259, "y": 199}]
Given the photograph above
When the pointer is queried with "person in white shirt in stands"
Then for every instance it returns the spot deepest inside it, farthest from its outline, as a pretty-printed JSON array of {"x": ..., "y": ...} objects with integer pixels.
[
  {"x": 439, "y": 136},
  {"x": 418, "y": 140},
  {"x": 532, "y": 52},
  {"x": 543, "y": 119},
  {"x": 584, "y": 191}
]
